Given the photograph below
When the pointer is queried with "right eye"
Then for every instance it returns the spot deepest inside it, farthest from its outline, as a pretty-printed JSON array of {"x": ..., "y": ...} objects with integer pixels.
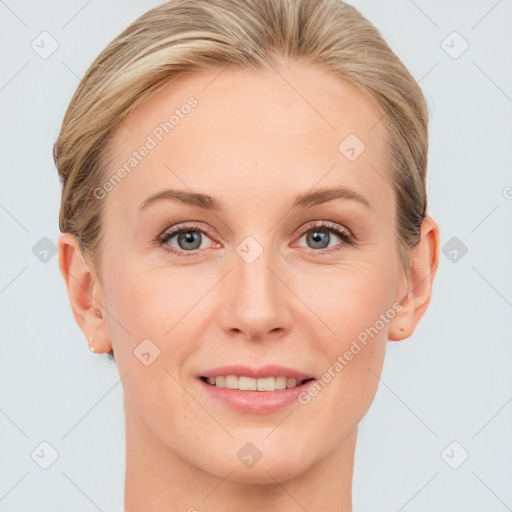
[{"x": 188, "y": 238}]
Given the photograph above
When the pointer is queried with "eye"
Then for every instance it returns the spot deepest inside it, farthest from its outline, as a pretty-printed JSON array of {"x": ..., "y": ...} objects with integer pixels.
[
  {"x": 188, "y": 238},
  {"x": 318, "y": 237}
]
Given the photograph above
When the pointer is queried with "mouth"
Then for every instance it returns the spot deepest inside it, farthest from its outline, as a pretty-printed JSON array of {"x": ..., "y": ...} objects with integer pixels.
[
  {"x": 262, "y": 390},
  {"x": 245, "y": 383}
]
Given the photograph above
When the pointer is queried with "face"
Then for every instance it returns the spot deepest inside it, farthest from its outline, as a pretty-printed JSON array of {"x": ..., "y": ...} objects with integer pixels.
[{"x": 262, "y": 279}]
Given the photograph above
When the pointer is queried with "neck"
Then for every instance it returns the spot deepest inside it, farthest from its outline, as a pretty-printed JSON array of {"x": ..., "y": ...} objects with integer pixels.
[{"x": 159, "y": 480}]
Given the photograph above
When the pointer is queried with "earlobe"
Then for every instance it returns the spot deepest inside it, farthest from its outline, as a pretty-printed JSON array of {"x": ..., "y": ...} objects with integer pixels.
[
  {"x": 84, "y": 292},
  {"x": 424, "y": 261}
]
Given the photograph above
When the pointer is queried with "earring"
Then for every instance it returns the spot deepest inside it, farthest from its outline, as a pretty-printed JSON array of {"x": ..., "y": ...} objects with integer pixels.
[{"x": 91, "y": 348}]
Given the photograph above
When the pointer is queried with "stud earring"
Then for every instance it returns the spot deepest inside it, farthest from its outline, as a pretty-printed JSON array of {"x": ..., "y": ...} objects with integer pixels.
[{"x": 91, "y": 348}]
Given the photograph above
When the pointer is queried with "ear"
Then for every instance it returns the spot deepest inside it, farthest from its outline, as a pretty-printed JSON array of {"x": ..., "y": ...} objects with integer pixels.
[
  {"x": 85, "y": 293},
  {"x": 424, "y": 260}
]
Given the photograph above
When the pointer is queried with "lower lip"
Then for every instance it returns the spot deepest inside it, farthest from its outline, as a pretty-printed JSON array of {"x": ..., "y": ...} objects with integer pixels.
[{"x": 258, "y": 402}]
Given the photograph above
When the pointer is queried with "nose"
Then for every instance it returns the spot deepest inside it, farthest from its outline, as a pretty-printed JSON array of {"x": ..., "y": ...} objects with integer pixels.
[{"x": 257, "y": 299}]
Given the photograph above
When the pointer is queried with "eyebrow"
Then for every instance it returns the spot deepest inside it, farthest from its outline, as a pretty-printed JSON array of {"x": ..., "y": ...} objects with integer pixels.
[{"x": 305, "y": 200}]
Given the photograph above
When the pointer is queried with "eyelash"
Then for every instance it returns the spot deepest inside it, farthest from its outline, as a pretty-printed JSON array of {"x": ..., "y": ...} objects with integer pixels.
[{"x": 343, "y": 233}]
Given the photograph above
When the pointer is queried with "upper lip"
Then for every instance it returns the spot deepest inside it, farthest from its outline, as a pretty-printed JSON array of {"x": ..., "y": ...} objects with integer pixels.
[{"x": 271, "y": 370}]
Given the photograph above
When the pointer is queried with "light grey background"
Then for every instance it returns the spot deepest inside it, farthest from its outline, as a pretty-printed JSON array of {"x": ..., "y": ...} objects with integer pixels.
[{"x": 451, "y": 381}]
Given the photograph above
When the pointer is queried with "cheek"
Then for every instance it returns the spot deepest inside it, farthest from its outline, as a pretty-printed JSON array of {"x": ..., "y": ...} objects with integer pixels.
[
  {"x": 349, "y": 298},
  {"x": 356, "y": 309},
  {"x": 149, "y": 328},
  {"x": 150, "y": 302},
  {"x": 157, "y": 317}
]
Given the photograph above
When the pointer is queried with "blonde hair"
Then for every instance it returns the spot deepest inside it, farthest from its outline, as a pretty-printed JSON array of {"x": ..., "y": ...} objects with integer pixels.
[{"x": 181, "y": 36}]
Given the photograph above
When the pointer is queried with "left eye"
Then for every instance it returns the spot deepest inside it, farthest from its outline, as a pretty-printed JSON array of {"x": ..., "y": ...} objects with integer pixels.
[{"x": 319, "y": 236}]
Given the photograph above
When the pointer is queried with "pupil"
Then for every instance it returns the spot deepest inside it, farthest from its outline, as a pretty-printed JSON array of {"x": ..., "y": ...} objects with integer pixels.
[
  {"x": 318, "y": 237},
  {"x": 189, "y": 237}
]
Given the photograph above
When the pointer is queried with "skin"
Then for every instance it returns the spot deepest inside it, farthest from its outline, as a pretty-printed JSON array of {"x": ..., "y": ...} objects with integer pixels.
[{"x": 252, "y": 143}]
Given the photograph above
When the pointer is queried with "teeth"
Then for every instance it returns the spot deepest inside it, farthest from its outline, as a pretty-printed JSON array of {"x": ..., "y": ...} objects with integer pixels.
[
  {"x": 250, "y": 384},
  {"x": 267, "y": 384},
  {"x": 247, "y": 384},
  {"x": 231, "y": 382},
  {"x": 281, "y": 382}
]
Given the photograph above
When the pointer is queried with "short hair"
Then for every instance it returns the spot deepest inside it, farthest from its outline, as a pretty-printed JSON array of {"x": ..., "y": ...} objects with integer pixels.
[{"x": 183, "y": 36}]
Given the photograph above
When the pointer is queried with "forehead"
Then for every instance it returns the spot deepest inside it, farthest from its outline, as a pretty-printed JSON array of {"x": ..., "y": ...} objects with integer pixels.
[
  {"x": 297, "y": 97},
  {"x": 291, "y": 127}
]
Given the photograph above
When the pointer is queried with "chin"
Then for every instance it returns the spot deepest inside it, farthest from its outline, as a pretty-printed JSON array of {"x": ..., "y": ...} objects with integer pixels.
[
  {"x": 265, "y": 473},
  {"x": 271, "y": 464}
]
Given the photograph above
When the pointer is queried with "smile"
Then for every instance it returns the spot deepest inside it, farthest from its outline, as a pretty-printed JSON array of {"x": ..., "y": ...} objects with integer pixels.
[{"x": 244, "y": 383}]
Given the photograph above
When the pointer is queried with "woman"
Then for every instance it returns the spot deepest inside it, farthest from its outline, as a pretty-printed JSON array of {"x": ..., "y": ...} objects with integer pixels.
[{"x": 244, "y": 226}]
